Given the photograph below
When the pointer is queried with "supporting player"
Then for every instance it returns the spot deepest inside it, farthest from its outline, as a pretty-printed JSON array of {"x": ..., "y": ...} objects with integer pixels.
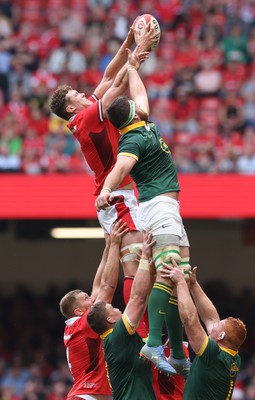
[
  {"x": 216, "y": 365},
  {"x": 83, "y": 347}
]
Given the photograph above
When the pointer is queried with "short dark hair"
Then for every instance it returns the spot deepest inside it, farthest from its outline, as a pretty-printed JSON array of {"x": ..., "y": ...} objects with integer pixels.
[
  {"x": 58, "y": 102},
  {"x": 97, "y": 317},
  {"x": 118, "y": 111},
  {"x": 68, "y": 303}
]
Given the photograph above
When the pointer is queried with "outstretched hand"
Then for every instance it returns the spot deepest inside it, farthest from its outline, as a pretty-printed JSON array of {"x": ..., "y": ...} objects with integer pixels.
[
  {"x": 148, "y": 243},
  {"x": 136, "y": 57},
  {"x": 193, "y": 276},
  {"x": 119, "y": 229},
  {"x": 147, "y": 40}
]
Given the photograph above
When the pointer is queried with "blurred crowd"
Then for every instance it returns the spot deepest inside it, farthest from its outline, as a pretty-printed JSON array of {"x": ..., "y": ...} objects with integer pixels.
[
  {"x": 201, "y": 85},
  {"x": 32, "y": 355},
  {"x": 200, "y": 79}
]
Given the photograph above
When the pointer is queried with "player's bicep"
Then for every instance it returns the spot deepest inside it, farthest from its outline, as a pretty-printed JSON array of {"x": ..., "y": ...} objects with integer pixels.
[
  {"x": 196, "y": 335},
  {"x": 134, "y": 311},
  {"x": 102, "y": 88},
  {"x": 125, "y": 162}
]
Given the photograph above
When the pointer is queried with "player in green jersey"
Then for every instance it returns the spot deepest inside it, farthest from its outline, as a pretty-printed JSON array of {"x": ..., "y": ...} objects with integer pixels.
[
  {"x": 143, "y": 153},
  {"x": 129, "y": 377},
  {"x": 214, "y": 370}
]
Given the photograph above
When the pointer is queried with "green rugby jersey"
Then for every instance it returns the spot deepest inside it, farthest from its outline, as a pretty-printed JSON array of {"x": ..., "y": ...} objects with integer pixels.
[
  {"x": 155, "y": 172},
  {"x": 129, "y": 376},
  {"x": 213, "y": 373}
]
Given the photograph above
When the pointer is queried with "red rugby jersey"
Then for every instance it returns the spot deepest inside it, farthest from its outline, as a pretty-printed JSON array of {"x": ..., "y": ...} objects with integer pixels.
[
  {"x": 167, "y": 388},
  {"x": 99, "y": 140},
  {"x": 85, "y": 358}
]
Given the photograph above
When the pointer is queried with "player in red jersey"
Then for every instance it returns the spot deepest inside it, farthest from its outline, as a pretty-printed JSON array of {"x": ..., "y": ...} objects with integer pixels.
[
  {"x": 99, "y": 143},
  {"x": 167, "y": 388},
  {"x": 84, "y": 347}
]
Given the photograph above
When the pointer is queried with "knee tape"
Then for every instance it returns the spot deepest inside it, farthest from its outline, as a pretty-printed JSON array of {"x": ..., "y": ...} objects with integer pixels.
[
  {"x": 185, "y": 266},
  {"x": 130, "y": 252},
  {"x": 164, "y": 253},
  {"x": 166, "y": 240}
]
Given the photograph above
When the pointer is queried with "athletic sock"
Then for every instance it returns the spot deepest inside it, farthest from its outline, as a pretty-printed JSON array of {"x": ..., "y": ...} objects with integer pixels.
[
  {"x": 174, "y": 328},
  {"x": 157, "y": 307}
]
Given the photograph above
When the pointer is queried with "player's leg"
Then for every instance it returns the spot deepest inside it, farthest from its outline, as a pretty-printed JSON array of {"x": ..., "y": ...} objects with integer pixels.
[
  {"x": 124, "y": 206},
  {"x": 178, "y": 358},
  {"x": 157, "y": 216}
]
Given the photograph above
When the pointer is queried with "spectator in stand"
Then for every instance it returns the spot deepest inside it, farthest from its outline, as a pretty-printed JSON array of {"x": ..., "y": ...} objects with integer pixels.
[
  {"x": 246, "y": 162},
  {"x": 58, "y": 391},
  {"x": 235, "y": 45},
  {"x": 185, "y": 110},
  {"x": 231, "y": 113},
  {"x": 208, "y": 79}
]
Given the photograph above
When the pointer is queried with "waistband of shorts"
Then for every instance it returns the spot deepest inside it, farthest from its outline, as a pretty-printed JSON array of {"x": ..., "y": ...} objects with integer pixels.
[
  {"x": 161, "y": 197},
  {"x": 123, "y": 191}
]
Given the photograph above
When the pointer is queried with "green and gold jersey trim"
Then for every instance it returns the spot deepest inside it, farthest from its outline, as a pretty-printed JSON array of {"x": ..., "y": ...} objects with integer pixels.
[
  {"x": 105, "y": 334},
  {"x": 203, "y": 347},
  {"x": 128, "y": 155},
  {"x": 131, "y": 127},
  {"x": 229, "y": 351},
  {"x": 129, "y": 328}
]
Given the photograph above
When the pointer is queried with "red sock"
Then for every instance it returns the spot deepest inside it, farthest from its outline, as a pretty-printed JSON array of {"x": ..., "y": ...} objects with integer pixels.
[{"x": 143, "y": 327}]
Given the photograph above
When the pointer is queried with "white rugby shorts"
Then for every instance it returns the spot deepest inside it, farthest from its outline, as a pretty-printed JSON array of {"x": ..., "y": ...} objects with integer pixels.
[
  {"x": 162, "y": 216},
  {"x": 124, "y": 206}
]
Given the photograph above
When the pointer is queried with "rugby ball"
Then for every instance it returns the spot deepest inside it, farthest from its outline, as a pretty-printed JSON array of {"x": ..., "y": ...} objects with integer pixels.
[{"x": 140, "y": 27}]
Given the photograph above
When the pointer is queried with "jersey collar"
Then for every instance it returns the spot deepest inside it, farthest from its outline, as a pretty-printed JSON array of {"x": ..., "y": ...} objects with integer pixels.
[
  {"x": 70, "y": 321},
  {"x": 72, "y": 118},
  {"x": 133, "y": 126},
  {"x": 103, "y": 336},
  {"x": 229, "y": 351}
]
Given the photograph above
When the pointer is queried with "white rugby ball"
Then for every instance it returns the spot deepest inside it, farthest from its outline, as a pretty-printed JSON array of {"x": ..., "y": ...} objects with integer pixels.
[{"x": 140, "y": 27}]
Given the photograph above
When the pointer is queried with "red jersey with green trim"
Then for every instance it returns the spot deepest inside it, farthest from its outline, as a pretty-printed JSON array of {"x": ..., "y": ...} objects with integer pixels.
[
  {"x": 99, "y": 141},
  {"x": 85, "y": 358}
]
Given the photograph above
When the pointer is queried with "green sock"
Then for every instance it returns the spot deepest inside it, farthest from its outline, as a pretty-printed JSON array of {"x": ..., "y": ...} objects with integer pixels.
[
  {"x": 157, "y": 307},
  {"x": 174, "y": 328}
]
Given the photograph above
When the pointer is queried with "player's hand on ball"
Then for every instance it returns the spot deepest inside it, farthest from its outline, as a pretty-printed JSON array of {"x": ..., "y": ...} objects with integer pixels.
[{"x": 146, "y": 32}]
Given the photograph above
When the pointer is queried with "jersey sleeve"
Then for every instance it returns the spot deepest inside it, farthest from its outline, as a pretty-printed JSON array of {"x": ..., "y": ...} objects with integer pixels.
[
  {"x": 130, "y": 146},
  {"x": 208, "y": 351}
]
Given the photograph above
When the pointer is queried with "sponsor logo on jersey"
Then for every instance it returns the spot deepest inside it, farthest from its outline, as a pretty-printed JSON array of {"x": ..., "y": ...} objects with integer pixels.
[{"x": 67, "y": 337}]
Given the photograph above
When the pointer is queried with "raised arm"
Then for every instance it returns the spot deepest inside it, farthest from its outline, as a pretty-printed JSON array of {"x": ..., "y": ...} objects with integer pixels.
[
  {"x": 100, "y": 269},
  {"x": 115, "y": 65},
  {"x": 187, "y": 310},
  {"x": 136, "y": 87},
  {"x": 122, "y": 167},
  {"x": 142, "y": 285},
  {"x": 107, "y": 275},
  {"x": 205, "y": 307},
  {"x": 120, "y": 58},
  {"x": 120, "y": 83}
]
